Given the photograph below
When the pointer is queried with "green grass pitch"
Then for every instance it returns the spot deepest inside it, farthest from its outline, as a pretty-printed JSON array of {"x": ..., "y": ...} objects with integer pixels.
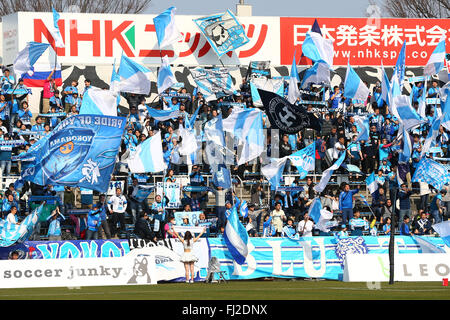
[{"x": 280, "y": 289}]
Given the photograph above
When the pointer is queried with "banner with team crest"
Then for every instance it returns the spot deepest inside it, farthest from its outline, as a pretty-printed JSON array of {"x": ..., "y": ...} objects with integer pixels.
[
  {"x": 80, "y": 152},
  {"x": 223, "y": 32}
]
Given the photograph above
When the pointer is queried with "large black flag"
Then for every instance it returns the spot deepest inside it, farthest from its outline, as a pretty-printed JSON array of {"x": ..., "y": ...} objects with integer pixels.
[{"x": 287, "y": 117}]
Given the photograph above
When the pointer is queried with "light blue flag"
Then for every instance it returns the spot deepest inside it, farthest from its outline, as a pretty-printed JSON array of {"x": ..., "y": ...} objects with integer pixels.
[
  {"x": 406, "y": 114},
  {"x": 134, "y": 78},
  {"x": 443, "y": 229},
  {"x": 165, "y": 76},
  {"x": 354, "y": 88},
  {"x": 385, "y": 86},
  {"x": 55, "y": 32},
  {"x": 328, "y": 172},
  {"x": 166, "y": 29},
  {"x": 314, "y": 209},
  {"x": 222, "y": 31},
  {"x": 304, "y": 160},
  {"x": 405, "y": 155},
  {"x": 431, "y": 172},
  {"x": 351, "y": 168},
  {"x": 189, "y": 123},
  {"x": 221, "y": 176},
  {"x": 148, "y": 156},
  {"x": 319, "y": 73},
  {"x": 80, "y": 152},
  {"x": 362, "y": 124},
  {"x": 25, "y": 60},
  {"x": 400, "y": 65},
  {"x": 99, "y": 101},
  {"x": 294, "y": 79},
  {"x": 13, "y": 233},
  {"x": 163, "y": 115},
  {"x": 364, "y": 200},
  {"x": 274, "y": 171},
  {"x": 243, "y": 209},
  {"x": 372, "y": 185},
  {"x": 317, "y": 48},
  {"x": 437, "y": 59},
  {"x": 426, "y": 246},
  {"x": 236, "y": 237}
]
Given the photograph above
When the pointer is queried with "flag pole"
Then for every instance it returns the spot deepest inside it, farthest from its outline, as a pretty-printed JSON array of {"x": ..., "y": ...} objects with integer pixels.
[{"x": 392, "y": 238}]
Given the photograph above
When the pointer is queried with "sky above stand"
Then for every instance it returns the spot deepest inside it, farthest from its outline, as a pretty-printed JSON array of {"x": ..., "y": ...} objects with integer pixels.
[{"x": 286, "y": 8}]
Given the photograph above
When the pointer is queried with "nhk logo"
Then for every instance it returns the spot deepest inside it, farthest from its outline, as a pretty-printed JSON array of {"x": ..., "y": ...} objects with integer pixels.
[{"x": 103, "y": 35}]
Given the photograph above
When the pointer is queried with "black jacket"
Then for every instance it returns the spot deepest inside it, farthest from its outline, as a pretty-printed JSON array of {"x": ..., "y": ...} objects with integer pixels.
[{"x": 142, "y": 229}]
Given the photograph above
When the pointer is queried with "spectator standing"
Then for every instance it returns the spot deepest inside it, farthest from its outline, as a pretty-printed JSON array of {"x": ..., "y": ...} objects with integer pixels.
[
  {"x": 278, "y": 217},
  {"x": 346, "y": 202},
  {"x": 117, "y": 204},
  {"x": 305, "y": 227}
]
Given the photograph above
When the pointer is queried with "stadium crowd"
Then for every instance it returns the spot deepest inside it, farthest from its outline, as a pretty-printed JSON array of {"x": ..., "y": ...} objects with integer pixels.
[{"x": 270, "y": 213}]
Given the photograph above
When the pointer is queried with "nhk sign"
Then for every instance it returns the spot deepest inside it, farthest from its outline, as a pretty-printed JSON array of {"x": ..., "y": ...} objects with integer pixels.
[{"x": 93, "y": 39}]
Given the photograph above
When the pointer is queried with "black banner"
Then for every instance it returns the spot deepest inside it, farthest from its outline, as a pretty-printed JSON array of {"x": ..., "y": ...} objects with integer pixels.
[{"x": 287, "y": 117}]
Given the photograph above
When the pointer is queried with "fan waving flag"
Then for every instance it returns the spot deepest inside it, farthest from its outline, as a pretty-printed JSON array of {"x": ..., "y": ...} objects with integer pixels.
[
  {"x": 165, "y": 76},
  {"x": 80, "y": 152},
  {"x": 406, "y": 114},
  {"x": 166, "y": 29},
  {"x": 246, "y": 125},
  {"x": 372, "y": 185},
  {"x": 55, "y": 32},
  {"x": 317, "y": 48},
  {"x": 236, "y": 237},
  {"x": 437, "y": 59},
  {"x": 25, "y": 60},
  {"x": 134, "y": 78},
  {"x": 274, "y": 171},
  {"x": 385, "y": 85},
  {"x": 223, "y": 32},
  {"x": 99, "y": 101},
  {"x": 285, "y": 116},
  {"x": 11, "y": 233},
  {"x": 319, "y": 73},
  {"x": 327, "y": 174},
  {"x": 400, "y": 66},
  {"x": 354, "y": 88},
  {"x": 294, "y": 79},
  {"x": 148, "y": 156}
]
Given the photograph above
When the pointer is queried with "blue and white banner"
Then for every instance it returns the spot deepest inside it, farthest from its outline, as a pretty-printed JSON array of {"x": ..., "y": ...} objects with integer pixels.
[
  {"x": 308, "y": 257},
  {"x": 53, "y": 115},
  {"x": 172, "y": 191},
  {"x": 80, "y": 152},
  {"x": 211, "y": 82},
  {"x": 143, "y": 192},
  {"x": 431, "y": 172},
  {"x": 271, "y": 85},
  {"x": 165, "y": 76},
  {"x": 163, "y": 115},
  {"x": 223, "y": 32},
  {"x": 443, "y": 229},
  {"x": 316, "y": 47}
]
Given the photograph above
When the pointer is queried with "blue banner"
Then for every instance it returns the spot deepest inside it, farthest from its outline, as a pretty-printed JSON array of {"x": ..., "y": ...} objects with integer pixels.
[
  {"x": 80, "y": 152},
  {"x": 69, "y": 249},
  {"x": 310, "y": 257},
  {"x": 223, "y": 32}
]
